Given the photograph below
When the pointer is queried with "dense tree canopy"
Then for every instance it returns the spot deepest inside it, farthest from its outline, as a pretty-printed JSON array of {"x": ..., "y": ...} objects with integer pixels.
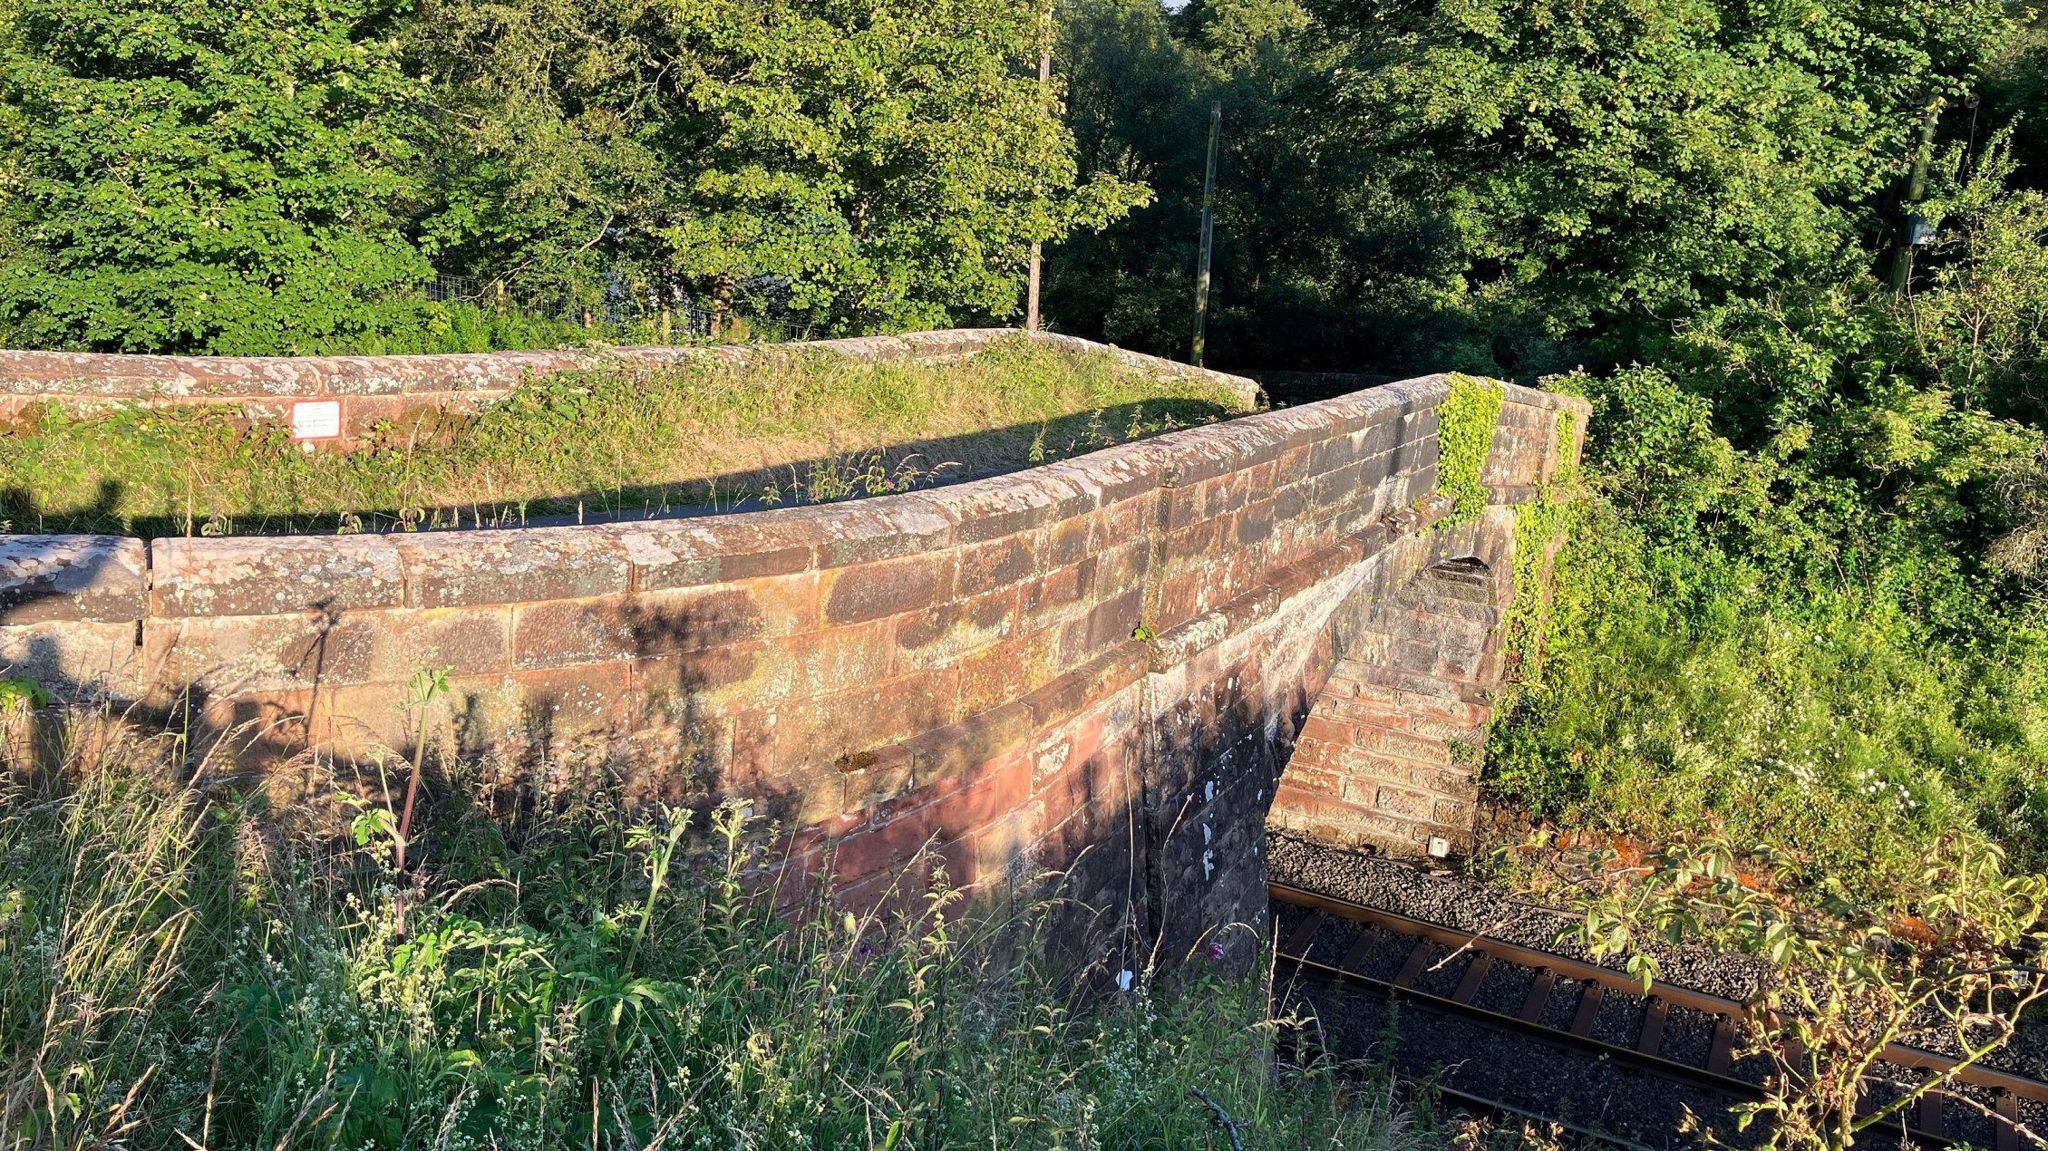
[
  {"x": 286, "y": 175},
  {"x": 208, "y": 177},
  {"x": 1510, "y": 184},
  {"x": 869, "y": 165}
]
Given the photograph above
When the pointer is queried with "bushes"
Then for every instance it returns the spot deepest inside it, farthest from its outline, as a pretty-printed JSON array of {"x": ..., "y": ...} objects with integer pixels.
[
  {"x": 173, "y": 966},
  {"x": 1788, "y": 643},
  {"x": 1685, "y": 688},
  {"x": 1784, "y": 623}
]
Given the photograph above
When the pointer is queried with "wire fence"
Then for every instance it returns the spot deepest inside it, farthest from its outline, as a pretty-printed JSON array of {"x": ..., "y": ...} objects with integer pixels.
[{"x": 678, "y": 316}]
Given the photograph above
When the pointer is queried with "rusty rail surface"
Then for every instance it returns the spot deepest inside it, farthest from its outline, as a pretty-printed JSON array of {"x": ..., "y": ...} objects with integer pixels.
[{"x": 1927, "y": 1123}]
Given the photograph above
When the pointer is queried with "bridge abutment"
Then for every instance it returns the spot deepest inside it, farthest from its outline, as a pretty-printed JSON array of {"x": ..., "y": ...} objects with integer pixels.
[{"x": 1388, "y": 757}]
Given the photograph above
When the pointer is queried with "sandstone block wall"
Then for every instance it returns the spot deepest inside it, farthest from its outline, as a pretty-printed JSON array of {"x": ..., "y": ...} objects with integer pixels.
[
  {"x": 1097, "y": 666},
  {"x": 1389, "y": 755}
]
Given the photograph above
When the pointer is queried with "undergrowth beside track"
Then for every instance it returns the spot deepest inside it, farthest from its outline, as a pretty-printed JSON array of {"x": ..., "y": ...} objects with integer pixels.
[{"x": 179, "y": 968}]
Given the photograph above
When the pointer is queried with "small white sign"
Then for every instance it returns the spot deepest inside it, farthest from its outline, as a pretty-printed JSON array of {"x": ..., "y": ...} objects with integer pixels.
[{"x": 316, "y": 419}]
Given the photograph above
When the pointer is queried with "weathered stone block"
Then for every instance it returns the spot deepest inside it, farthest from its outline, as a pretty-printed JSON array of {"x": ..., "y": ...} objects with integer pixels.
[
  {"x": 228, "y": 655},
  {"x": 689, "y": 553},
  {"x": 1067, "y": 542},
  {"x": 462, "y": 641},
  {"x": 945, "y": 633},
  {"x": 994, "y": 564},
  {"x": 591, "y": 697},
  {"x": 75, "y": 660},
  {"x": 716, "y": 683},
  {"x": 1058, "y": 594},
  {"x": 74, "y": 577},
  {"x": 1009, "y": 671},
  {"x": 868, "y": 531},
  {"x": 571, "y": 632},
  {"x": 715, "y": 615},
  {"x": 526, "y": 565},
  {"x": 871, "y": 591},
  {"x": 1009, "y": 505}
]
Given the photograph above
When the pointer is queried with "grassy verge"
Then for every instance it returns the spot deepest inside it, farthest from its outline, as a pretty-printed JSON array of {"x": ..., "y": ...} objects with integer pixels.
[
  {"x": 793, "y": 429},
  {"x": 1845, "y": 710},
  {"x": 178, "y": 972}
]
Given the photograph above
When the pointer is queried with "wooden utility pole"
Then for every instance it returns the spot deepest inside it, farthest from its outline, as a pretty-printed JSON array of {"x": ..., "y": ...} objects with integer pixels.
[
  {"x": 1037, "y": 247},
  {"x": 1916, "y": 188},
  {"x": 1208, "y": 232}
]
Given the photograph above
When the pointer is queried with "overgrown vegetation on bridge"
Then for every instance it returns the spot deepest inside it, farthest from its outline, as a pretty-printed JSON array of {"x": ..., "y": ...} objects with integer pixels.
[{"x": 779, "y": 430}]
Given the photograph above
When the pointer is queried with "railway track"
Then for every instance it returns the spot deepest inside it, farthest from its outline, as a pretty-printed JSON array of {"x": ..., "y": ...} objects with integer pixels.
[{"x": 1676, "y": 1045}]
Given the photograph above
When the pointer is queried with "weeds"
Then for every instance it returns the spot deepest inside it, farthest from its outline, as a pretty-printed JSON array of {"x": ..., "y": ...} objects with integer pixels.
[
  {"x": 849, "y": 477},
  {"x": 609, "y": 442},
  {"x": 178, "y": 970}
]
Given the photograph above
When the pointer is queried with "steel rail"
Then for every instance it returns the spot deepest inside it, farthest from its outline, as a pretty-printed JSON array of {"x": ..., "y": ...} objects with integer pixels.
[{"x": 1926, "y": 1123}]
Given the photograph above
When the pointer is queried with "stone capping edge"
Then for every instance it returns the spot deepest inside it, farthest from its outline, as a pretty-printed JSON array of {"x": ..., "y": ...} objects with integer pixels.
[
  {"x": 100, "y": 377},
  {"x": 1538, "y": 398},
  {"x": 118, "y": 579}
]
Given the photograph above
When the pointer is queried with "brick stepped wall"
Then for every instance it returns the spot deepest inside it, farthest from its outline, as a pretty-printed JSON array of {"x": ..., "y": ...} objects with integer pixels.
[
  {"x": 1097, "y": 666},
  {"x": 1388, "y": 756}
]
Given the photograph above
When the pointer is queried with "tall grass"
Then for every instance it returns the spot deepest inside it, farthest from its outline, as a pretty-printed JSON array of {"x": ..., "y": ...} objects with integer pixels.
[
  {"x": 179, "y": 969},
  {"x": 605, "y": 441}
]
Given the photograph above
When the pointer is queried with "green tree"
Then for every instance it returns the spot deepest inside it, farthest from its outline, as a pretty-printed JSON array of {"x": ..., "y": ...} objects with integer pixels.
[
  {"x": 208, "y": 178},
  {"x": 863, "y": 164},
  {"x": 2015, "y": 95},
  {"x": 550, "y": 153},
  {"x": 1320, "y": 260},
  {"x": 1613, "y": 166}
]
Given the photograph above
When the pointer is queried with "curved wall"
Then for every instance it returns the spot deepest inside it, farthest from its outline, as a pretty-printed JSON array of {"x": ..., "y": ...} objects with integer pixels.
[
  {"x": 1096, "y": 666},
  {"x": 371, "y": 389}
]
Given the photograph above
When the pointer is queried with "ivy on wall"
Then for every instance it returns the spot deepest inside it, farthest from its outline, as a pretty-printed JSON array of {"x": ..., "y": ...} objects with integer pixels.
[
  {"x": 1540, "y": 526},
  {"x": 1464, "y": 435}
]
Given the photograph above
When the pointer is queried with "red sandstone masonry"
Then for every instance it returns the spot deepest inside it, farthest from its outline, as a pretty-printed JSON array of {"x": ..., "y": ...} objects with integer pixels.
[{"x": 993, "y": 667}]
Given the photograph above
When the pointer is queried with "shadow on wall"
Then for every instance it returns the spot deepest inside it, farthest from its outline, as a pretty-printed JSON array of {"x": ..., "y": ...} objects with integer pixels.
[{"x": 920, "y": 463}]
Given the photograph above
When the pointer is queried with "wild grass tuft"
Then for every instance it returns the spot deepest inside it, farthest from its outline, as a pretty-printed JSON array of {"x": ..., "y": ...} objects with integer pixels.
[
  {"x": 613, "y": 441},
  {"x": 179, "y": 971}
]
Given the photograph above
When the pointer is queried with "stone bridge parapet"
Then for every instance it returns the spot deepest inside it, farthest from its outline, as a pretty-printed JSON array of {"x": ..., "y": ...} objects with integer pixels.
[
  {"x": 363, "y": 391},
  {"x": 1098, "y": 667}
]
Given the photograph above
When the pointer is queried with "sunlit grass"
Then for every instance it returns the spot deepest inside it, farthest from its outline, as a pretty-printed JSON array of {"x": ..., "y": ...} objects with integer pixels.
[
  {"x": 608, "y": 441},
  {"x": 180, "y": 969}
]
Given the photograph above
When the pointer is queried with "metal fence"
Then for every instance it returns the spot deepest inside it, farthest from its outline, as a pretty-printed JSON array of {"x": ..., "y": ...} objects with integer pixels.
[{"x": 621, "y": 305}]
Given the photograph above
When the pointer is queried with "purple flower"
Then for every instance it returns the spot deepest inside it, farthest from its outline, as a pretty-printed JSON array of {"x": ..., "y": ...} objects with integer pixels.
[{"x": 1215, "y": 950}]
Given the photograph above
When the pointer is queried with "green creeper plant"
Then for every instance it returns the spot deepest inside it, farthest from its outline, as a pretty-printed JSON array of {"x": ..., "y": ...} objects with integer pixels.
[{"x": 1465, "y": 423}]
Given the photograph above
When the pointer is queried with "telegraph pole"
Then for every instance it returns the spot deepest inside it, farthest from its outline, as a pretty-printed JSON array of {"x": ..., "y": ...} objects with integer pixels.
[
  {"x": 1208, "y": 232},
  {"x": 1037, "y": 246},
  {"x": 1916, "y": 188}
]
